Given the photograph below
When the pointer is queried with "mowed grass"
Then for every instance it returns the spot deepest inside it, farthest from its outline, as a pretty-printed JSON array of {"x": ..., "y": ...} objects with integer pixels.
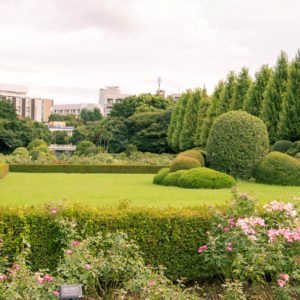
[{"x": 23, "y": 189}]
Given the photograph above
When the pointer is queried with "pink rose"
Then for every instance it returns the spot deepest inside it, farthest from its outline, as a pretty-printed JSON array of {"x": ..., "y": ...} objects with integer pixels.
[
  {"x": 48, "y": 278},
  {"x": 87, "y": 266},
  {"x": 55, "y": 293},
  {"x": 281, "y": 283},
  {"x": 75, "y": 243}
]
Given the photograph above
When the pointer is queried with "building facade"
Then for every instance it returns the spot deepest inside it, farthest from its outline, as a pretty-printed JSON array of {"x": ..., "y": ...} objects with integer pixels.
[
  {"x": 38, "y": 109},
  {"x": 75, "y": 109},
  {"x": 109, "y": 96}
]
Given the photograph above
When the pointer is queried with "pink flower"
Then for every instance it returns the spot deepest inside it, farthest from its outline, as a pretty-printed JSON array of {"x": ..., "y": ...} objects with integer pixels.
[
  {"x": 284, "y": 276},
  {"x": 40, "y": 280},
  {"x": 281, "y": 283},
  {"x": 68, "y": 251},
  {"x": 200, "y": 249},
  {"x": 16, "y": 267},
  {"x": 48, "y": 278},
  {"x": 231, "y": 222},
  {"x": 75, "y": 243},
  {"x": 252, "y": 238},
  {"x": 54, "y": 210},
  {"x": 229, "y": 247},
  {"x": 87, "y": 266},
  {"x": 55, "y": 293},
  {"x": 152, "y": 282},
  {"x": 3, "y": 277},
  {"x": 226, "y": 228},
  {"x": 205, "y": 247}
]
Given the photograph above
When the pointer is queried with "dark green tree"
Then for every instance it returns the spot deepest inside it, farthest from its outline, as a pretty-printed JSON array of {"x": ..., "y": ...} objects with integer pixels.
[
  {"x": 90, "y": 115},
  {"x": 227, "y": 95},
  {"x": 172, "y": 126},
  {"x": 289, "y": 124},
  {"x": 243, "y": 84},
  {"x": 253, "y": 101},
  {"x": 7, "y": 110},
  {"x": 60, "y": 138},
  {"x": 274, "y": 93}
]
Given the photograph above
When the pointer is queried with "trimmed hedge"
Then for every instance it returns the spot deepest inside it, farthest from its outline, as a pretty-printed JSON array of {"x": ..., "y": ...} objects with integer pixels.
[
  {"x": 196, "y": 154},
  {"x": 34, "y": 168},
  {"x": 3, "y": 170},
  {"x": 294, "y": 149},
  {"x": 237, "y": 143},
  {"x": 184, "y": 163},
  {"x": 279, "y": 168},
  {"x": 171, "y": 179},
  {"x": 205, "y": 178},
  {"x": 168, "y": 237},
  {"x": 158, "y": 178},
  {"x": 282, "y": 146}
]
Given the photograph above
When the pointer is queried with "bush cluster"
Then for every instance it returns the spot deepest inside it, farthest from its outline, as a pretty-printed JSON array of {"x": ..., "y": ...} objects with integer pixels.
[
  {"x": 282, "y": 146},
  {"x": 194, "y": 153},
  {"x": 184, "y": 163},
  {"x": 3, "y": 170},
  {"x": 279, "y": 168},
  {"x": 35, "y": 168},
  {"x": 158, "y": 178},
  {"x": 295, "y": 148},
  {"x": 237, "y": 143}
]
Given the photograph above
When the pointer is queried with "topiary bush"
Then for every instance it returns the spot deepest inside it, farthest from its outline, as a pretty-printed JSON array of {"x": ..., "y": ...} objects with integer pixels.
[
  {"x": 282, "y": 146},
  {"x": 196, "y": 154},
  {"x": 3, "y": 170},
  {"x": 184, "y": 163},
  {"x": 279, "y": 168},
  {"x": 21, "y": 152},
  {"x": 237, "y": 143},
  {"x": 36, "y": 143},
  {"x": 297, "y": 155},
  {"x": 172, "y": 178},
  {"x": 158, "y": 178},
  {"x": 294, "y": 149},
  {"x": 205, "y": 178}
]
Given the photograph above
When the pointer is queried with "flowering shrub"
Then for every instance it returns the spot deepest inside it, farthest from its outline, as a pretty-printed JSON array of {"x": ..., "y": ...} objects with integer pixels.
[{"x": 242, "y": 246}]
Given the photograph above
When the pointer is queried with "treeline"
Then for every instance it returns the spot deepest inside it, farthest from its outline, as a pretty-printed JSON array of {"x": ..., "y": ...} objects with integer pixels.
[{"x": 273, "y": 96}]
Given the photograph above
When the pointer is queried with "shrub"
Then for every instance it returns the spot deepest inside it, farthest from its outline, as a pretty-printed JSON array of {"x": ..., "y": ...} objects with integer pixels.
[
  {"x": 279, "y": 168},
  {"x": 237, "y": 143},
  {"x": 282, "y": 146},
  {"x": 294, "y": 149},
  {"x": 42, "y": 148},
  {"x": 196, "y": 154},
  {"x": 82, "y": 147},
  {"x": 297, "y": 155},
  {"x": 36, "y": 143},
  {"x": 21, "y": 151},
  {"x": 3, "y": 170},
  {"x": 172, "y": 178},
  {"x": 205, "y": 178},
  {"x": 184, "y": 163},
  {"x": 158, "y": 178}
]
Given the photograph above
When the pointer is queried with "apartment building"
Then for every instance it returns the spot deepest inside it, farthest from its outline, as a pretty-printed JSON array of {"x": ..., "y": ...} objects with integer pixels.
[
  {"x": 75, "y": 109},
  {"x": 38, "y": 109}
]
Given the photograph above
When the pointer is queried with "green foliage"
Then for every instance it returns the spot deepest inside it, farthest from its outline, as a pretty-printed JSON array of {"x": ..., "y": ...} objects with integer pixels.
[
  {"x": 90, "y": 115},
  {"x": 21, "y": 151},
  {"x": 7, "y": 110},
  {"x": 282, "y": 146},
  {"x": 184, "y": 163},
  {"x": 272, "y": 98},
  {"x": 171, "y": 179},
  {"x": 194, "y": 153},
  {"x": 237, "y": 143},
  {"x": 60, "y": 138},
  {"x": 3, "y": 170},
  {"x": 289, "y": 124},
  {"x": 36, "y": 143},
  {"x": 82, "y": 147},
  {"x": 243, "y": 84},
  {"x": 295, "y": 148},
  {"x": 172, "y": 126},
  {"x": 158, "y": 178},
  {"x": 35, "y": 168},
  {"x": 227, "y": 95},
  {"x": 204, "y": 178},
  {"x": 279, "y": 168},
  {"x": 254, "y": 99},
  {"x": 297, "y": 155}
]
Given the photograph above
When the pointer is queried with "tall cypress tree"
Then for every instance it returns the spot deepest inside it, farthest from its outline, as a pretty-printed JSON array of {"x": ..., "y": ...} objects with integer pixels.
[
  {"x": 228, "y": 93},
  {"x": 274, "y": 93},
  {"x": 212, "y": 113},
  {"x": 202, "y": 115},
  {"x": 242, "y": 87},
  {"x": 289, "y": 124},
  {"x": 186, "y": 140},
  {"x": 172, "y": 125},
  {"x": 253, "y": 102},
  {"x": 179, "y": 121}
]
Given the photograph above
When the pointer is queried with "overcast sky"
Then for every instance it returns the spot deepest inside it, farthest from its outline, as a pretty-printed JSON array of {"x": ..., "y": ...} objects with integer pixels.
[{"x": 68, "y": 49}]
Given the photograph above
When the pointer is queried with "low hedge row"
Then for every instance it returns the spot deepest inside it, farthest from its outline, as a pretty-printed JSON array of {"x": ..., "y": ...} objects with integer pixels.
[
  {"x": 34, "y": 168},
  {"x": 3, "y": 170},
  {"x": 167, "y": 237}
]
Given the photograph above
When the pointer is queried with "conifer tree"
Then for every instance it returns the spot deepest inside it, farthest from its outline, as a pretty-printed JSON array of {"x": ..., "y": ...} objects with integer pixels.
[
  {"x": 182, "y": 102},
  {"x": 242, "y": 87},
  {"x": 253, "y": 102},
  {"x": 289, "y": 124},
  {"x": 172, "y": 125},
  {"x": 227, "y": 93},
  {"x": 186, "y": 140},
  {"x": 212, "y": 113},
  {"x": 272, "y": 98},
  {"x": 202, "y": 115}
]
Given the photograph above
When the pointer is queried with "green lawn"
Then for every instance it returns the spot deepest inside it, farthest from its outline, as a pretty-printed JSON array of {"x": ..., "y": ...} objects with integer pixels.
[{"x": 107, "y": 189}]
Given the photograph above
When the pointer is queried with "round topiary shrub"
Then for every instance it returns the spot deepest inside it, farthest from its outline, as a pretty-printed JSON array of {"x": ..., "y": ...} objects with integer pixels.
[
  {"x": 294, "y": 149},
  {"x": 237, "y": 143},
  {"x": 193, "y": 154},
  {"x": 158, "y": 178},
  {"x": 3, "y": 170},
  {"x": 36, "y": 143},
  {"x": 184, "y": 163},
  {"x": 171, "y": 179},
  {"x": 282, "y": 146},
  {"x": 21, "y": 152},
  {"x": 82, "y": 147},
  {"x": 279, "y": 168},
  {"x": 205, "y": 178}
]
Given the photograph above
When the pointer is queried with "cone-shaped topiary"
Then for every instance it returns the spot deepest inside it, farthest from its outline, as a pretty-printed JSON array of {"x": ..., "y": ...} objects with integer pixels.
[{"x": 237, "y": 143}]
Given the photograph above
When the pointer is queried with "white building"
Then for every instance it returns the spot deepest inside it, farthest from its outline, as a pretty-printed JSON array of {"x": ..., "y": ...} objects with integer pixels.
[
  {"x": 109, "y": 96},
  {"x": 75, "y": 109},
  {"x": 38, "y": 109}
]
